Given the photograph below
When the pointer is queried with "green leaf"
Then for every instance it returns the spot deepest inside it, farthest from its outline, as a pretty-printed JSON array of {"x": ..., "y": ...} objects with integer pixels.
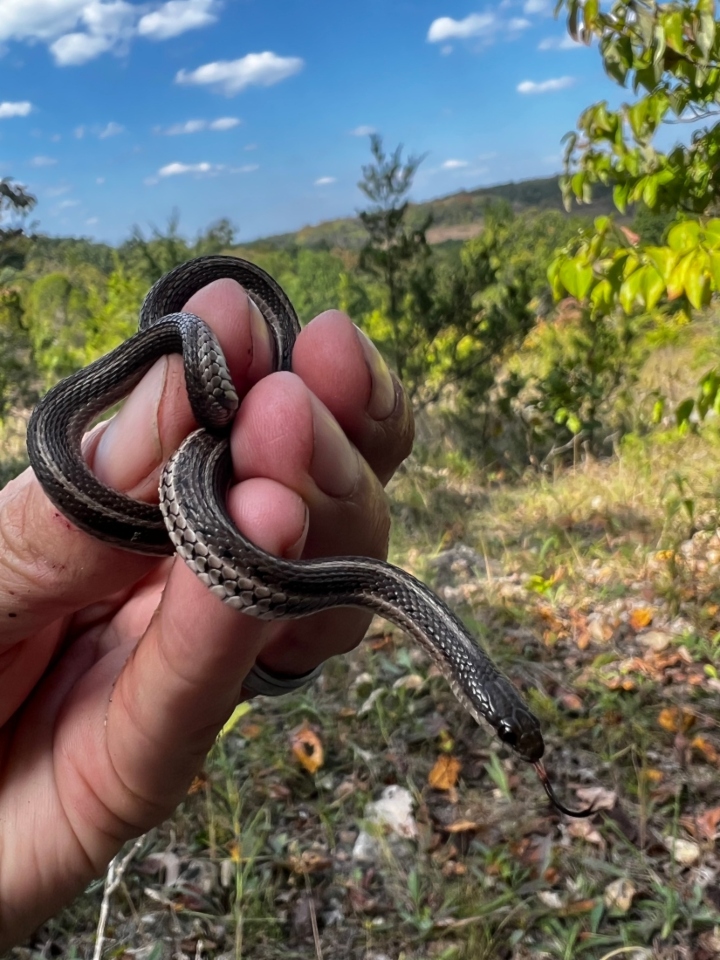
[
  {"x": 673, "y": 22},
  {"x": 684, "y": 236},
  {"x": 697, "y": 280},
  {"x": 630, "y": 291},
  {"x": 705, "y": 35},
  {"x": 652, "y": 288},
  {"x": 663, "y": 259},
  {"x": 620, "y": 196},
  {"x": 576, "y": 277}
]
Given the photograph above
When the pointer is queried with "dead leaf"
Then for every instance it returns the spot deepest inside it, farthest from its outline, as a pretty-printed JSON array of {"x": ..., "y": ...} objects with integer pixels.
[
  {"x": 706, "y": 749},
  {"x": 307, "y": 749},
  {"x": 655, "y": 640},
  {"x": 309, "y": 861},
  {"x": 444, "y": 775},
  {"x": 704, "y": 825},
  {"x": 619, "y": 895},
  {"x": 676, "y": 719},
  {"x": 685, "y": 852},
  {"x": 641, "y": 617},
  {"x": 462, "y": 826}
]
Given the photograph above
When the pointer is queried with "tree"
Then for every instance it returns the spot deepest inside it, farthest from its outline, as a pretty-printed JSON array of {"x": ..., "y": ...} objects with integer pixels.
[
  {"x": 395, "y": 254},
  {"x": 671, "y": 54},
  {"x": 15, "y": 204}
]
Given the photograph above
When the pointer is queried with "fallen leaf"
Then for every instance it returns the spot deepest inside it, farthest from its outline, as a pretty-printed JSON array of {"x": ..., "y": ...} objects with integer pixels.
[
  {"x": 641, "y": 617},
  {"x": 685, "y": 852},
  {"x": 706, "y": 749},
  {"x": 462, "y": 826},
  {"x": 394, "y": 810},
  {"x": 676, "y": 719},
  {"x": 412, "y": 682},
  {"x": 445, "y": 773},
  {"x": 619, "y": 895},
  {"x": 309, "y": 861},
  {"x": 655, "y": 640},
  {"x": 307, "y": 749},
  {"x": 550, "y": 899},
  {"x": 584, "y": 830}
]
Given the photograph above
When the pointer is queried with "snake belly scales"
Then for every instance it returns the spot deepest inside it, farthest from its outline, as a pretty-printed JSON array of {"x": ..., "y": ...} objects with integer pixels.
[{"x": 192, "y": 519}]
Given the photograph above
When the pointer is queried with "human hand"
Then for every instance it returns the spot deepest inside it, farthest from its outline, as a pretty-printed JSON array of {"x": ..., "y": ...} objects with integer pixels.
[{"x": 118, "y": 670}]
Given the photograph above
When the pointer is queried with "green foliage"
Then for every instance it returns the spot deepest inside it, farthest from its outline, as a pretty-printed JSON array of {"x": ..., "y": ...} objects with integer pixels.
[{"x": 670, "y": 54}]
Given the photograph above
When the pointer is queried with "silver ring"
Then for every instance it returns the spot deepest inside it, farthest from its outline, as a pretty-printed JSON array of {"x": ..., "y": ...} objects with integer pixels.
[{"x": 263, "y": 682}]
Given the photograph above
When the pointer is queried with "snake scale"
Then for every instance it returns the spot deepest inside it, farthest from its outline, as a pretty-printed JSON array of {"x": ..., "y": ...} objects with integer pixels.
[{"x": 192, "y": 519}]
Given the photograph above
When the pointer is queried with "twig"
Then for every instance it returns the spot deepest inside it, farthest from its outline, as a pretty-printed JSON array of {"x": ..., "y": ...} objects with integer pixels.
[
  {"x": 313, "y": 917},
  {"x": 113, "y": 878}
]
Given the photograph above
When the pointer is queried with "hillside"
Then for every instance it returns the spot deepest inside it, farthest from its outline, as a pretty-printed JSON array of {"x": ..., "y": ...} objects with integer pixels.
[{"x": 454, "y": 217}]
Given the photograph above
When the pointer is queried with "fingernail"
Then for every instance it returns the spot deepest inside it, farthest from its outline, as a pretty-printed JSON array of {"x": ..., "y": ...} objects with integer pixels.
[
  {"x": 130, "y": 449},
  {"x": 335, "y": 466},
  {"x": 263, "y": 344},
  {"x": 382, "y": 394}
]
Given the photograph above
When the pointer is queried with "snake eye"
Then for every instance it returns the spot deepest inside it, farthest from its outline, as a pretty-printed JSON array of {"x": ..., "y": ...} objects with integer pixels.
[{"x": 507, "y": 733}]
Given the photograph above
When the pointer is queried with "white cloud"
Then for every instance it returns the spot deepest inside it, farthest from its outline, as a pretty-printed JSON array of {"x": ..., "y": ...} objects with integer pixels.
[
  {"x": 518, "y": 23},
  {"x": 545, "y": 86},
  {"x": 474, "y": 25},
  {"x": 74, "y": 49},
  {"x": 177, "y": 169},
  {"x": 197, "y": 126},
  {"x": 43, "y": 162},
  {"x": 232, "y": 76},
  {"x": 447, "y": 49},
  {"x": 454, "y": 164},
  {"x": 66, "y": 204},
  {"x": 190, "y": 126},
  {"x": 565, "y": 42},
  {"x": 364, "y": 130},
  {"x": 200, "y": 169},
  {"x": 325, "y": 181},
  {"x": 79, "y": 132},
  {"x": 224, "y": 123},
  {"x": 176, "y": 17},
  {"x": 111, "y": 130},
  {"x": 19, "y": 108},
  {"x": 80, "y": 30},
  {"x": 536, "y": 6}
]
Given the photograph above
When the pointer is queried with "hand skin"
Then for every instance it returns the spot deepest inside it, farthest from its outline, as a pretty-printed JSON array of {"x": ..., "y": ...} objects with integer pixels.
[{"x": 118, "y": 670}]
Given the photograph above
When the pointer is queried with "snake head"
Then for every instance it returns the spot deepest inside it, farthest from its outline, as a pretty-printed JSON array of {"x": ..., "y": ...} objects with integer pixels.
[{"x": 523, "y": 735}]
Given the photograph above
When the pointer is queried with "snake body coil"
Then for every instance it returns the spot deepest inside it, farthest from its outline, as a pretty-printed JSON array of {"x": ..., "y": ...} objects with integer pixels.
[{"x": 193, "y": 521}]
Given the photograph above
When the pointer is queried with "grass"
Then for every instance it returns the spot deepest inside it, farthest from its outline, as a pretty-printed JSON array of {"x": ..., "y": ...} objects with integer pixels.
[
  {"x": 597, "y": 590},
  {"x": 569, "y": 579}
]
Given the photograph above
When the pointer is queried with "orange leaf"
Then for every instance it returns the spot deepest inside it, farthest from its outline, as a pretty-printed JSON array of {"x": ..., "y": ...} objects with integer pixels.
[
  {"x": 709, "y": 822},
  {"x": 307, "y": 749},
  {"x": 462, "y": 826},
  {"x": 445, "y": 773},
  {"x": 706, "y": 749},
  {"x": 641, "y": 617},
  {"x": 675, "y": 719}
]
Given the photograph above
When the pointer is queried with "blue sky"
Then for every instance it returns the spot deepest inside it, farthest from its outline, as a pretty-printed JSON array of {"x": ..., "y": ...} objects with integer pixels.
[{"x": 114, "y": 113}]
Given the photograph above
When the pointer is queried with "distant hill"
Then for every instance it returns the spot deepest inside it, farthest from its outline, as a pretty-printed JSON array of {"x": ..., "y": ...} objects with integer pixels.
[{"x": 458, "y": 216}]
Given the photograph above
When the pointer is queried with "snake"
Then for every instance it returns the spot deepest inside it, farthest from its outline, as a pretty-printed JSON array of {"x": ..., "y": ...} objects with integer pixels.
[{"x": 192, "y": 520}]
